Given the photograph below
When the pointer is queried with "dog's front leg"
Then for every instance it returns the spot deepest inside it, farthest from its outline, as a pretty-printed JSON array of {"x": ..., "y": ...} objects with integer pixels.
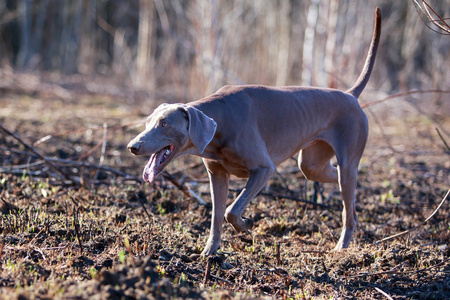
[
  {"x": 257, "y": 179},
  {"x": 218, "y": 178}
]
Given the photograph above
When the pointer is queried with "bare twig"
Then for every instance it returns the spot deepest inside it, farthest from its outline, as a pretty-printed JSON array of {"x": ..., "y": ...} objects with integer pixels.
[
  {"x": 50, "y": 136},
  {"x": 364, "y": 105},
  {"x": 102, "y": 156},
  {"x": 278, "y": 256},
  {"x": 187, "y": 191},
  {"x": 383, "y": 293},
  {"x": 414, "y": 228},
  {"x": 207, "y": 272},
  {"x": 32, "y": 149},
  {"x": 431, "y": 267},
  {"x": 75, "y": 223},
  {"x": 34, "y": 238},
  {"x": 442, "y": 138},
  {"x": 143, "y": 206},
  {"x": 39, "y": 251},
  {"x": 302, "y": 287},
  {"x": 220, "y": 278},
  {"x": 441, "y": 24}
]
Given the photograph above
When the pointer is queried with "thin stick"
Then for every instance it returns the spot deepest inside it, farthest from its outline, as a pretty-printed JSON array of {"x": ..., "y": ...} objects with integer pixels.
[
  {"x": 434, "y": 21},
  {"x": 207, "y": 272},
  {"x": 302, "y": 287},
  {"x": 102, "y": 156},
  {"x": 40, "y": 252},
  {"x": 187, "y": 191},
  {"x": 384, "y": 293},
  {"x": 77, "y": 230},
  {"x": 414, "y": 228},
  {"x": 430, "y": 18},
  {"x": 278, "y": 256},
  {"x": 142, "y": 203},
  {"x": 442, "y": 138},
  {"x": 34, "y": 238},
  {"x": 404, "y": 94},
  {"x": 432, "y": 267},
  {"x": 75, "y": 222},
  {"x": 50, "y": 164}
]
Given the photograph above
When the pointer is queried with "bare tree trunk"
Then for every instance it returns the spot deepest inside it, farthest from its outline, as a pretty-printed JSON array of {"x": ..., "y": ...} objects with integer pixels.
[
  {"x": 39, "y": 27},
  {"x": 145, "y": 62},
  {"x": 283, "y": 43},
  {"x": 331, "y": 43},
  {"x": 25, "y": 51},
  {"x": 308, "y": 45},
  {"x": 72, "y": 49}
]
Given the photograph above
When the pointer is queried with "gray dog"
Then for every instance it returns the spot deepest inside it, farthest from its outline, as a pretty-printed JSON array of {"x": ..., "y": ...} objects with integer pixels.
[{"x": 248, "y": 130}]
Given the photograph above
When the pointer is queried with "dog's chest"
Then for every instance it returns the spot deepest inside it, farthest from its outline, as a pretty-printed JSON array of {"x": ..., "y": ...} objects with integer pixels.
[{"x": 230, "y": 160}]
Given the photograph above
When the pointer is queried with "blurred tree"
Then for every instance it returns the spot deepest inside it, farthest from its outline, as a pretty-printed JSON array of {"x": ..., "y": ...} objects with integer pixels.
[{"x": 189, "y": 48}]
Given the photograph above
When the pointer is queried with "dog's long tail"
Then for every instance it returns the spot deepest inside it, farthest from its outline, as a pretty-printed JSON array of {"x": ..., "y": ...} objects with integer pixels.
[{"x": 360, "y": 84}]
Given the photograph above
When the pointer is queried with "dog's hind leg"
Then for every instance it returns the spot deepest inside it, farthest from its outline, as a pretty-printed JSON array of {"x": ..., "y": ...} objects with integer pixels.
[
  {"x": 314, "y": 162},
  {"x": 347, "y": 185}
]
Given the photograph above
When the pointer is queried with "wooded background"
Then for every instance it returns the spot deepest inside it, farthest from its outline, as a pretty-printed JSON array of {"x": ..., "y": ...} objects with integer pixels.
[{"x": 184, "y": 50}]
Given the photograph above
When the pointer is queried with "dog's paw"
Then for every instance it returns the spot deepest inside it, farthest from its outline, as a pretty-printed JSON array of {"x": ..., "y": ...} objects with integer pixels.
[{"x": 210, "y": 249}]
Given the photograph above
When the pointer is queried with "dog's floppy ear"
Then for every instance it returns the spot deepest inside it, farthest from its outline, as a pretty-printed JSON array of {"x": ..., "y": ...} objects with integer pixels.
[{"x": 201, "y": 128}]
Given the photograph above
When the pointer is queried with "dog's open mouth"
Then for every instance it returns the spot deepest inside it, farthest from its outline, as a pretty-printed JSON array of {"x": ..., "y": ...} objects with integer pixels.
[{"x": 157, "y": 163}]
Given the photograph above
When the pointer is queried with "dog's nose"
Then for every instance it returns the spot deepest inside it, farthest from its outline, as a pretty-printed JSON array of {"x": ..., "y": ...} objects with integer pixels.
[{"x": 134, "y": 148}]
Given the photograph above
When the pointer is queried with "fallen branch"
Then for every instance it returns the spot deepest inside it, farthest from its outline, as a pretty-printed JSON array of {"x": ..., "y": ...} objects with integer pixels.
[
  {"x": 32, "y": 149},
  {"x": 414, "y": 228}
]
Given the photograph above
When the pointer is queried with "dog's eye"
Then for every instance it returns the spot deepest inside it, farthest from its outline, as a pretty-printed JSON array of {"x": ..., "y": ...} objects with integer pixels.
[{"x": 164, "y": 124}]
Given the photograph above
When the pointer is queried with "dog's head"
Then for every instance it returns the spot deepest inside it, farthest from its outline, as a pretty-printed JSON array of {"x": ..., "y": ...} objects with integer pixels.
[{"x": 170, "y": 130}]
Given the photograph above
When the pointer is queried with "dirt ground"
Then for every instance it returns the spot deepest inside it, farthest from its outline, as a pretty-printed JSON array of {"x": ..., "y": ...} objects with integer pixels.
[{"x": 96, "y": 241}]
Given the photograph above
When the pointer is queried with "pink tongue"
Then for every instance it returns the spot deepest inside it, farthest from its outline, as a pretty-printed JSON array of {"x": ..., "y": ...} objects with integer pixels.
[{"x": 151, "y": 168}]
